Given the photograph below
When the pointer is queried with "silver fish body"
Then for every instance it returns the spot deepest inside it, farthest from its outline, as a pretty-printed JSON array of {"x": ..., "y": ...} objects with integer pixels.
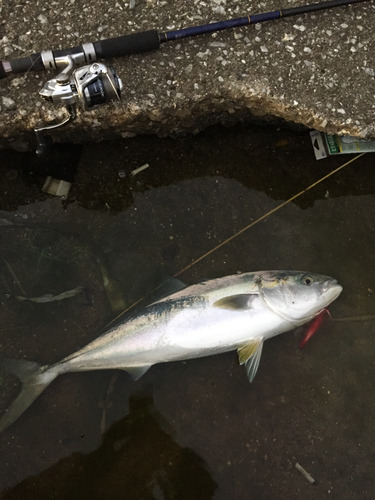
[{"x": 235, "y": 312}]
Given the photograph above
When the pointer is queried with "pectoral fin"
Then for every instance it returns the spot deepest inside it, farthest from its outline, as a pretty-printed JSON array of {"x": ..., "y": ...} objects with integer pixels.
[
  {"x": 250, "y": 355},
  {"x": 239, "y": 302}
]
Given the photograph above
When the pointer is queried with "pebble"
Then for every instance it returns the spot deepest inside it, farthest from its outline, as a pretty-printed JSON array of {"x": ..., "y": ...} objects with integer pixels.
[
  {"x": 8, "y": 103},
  {"x": 42, "y": 18}
]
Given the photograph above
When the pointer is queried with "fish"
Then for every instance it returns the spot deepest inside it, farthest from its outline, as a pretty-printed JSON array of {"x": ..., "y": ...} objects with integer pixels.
[
  {"x": 237, "y": 312},
  {"x": 48, "y": 297}
]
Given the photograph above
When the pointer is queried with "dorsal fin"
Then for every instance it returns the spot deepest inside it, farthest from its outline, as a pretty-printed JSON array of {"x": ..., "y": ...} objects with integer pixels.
[{"x": 172, "y": 285}]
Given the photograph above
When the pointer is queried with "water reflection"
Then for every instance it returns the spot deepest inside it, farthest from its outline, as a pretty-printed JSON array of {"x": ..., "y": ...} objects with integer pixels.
[
  {"x": 310, "y": 406},
  {"x": 137, "y": 459}
]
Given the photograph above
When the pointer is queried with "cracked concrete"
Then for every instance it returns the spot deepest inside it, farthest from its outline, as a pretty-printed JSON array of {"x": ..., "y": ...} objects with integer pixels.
[{"x": 315, "y": 70}]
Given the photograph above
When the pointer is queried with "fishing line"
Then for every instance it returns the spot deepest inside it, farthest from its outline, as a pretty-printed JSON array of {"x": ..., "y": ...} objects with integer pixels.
[
  {"x": 267, "y": 215},
  {"x": 242, "y": 231},
  {"x": 367, "y": 317}
]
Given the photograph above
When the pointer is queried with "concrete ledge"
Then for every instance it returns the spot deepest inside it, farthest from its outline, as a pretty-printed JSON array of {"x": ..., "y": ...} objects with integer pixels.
[{"x": 316, "y": 70}]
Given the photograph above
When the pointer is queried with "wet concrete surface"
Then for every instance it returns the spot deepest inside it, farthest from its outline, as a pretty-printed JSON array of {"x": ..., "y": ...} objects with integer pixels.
[
  {"x": 314, "y": 69},
  {"x": 193, "y": 429}
]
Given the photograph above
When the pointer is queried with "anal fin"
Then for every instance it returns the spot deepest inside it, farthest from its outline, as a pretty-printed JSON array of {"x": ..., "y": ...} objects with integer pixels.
[{"x": 136, "y": 372}]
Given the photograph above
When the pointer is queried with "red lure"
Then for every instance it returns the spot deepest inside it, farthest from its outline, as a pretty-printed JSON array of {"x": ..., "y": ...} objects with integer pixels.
[{"x": 314, "y": 325}]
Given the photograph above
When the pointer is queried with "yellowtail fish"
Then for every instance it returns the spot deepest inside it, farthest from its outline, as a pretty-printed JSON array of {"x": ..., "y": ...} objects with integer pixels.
[{"x": 215, "y": 316}]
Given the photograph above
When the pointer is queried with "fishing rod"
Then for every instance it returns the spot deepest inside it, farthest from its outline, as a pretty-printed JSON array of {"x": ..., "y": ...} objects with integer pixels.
[
  {"x": 95, "y": 84},
  {"x": 148, "y": 40}
]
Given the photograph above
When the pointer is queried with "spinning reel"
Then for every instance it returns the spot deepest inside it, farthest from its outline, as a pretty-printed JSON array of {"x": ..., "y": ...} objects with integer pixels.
[{"x": 88, "y": 86}]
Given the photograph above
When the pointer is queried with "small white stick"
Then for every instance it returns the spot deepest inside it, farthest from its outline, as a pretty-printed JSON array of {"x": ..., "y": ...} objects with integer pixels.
[
  {"x": 305, "y": 474},
  {"x": 139, "y": 169}
]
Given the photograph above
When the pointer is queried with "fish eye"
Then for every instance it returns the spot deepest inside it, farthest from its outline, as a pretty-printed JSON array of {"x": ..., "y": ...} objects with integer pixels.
[{"x": 307, "y": 280}]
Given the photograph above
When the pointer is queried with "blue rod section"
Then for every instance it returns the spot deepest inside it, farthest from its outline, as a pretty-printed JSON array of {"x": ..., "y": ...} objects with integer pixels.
[
  {"x": 222, "y": 25},
  {"x": 267, "y": 16},
  {"x": 206, "y": 28},
  {"x": 256, "y": 18}
]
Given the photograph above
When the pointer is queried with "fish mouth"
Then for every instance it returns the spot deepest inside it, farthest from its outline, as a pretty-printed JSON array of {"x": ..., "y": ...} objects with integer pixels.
[{"x": 332, "y": 290}]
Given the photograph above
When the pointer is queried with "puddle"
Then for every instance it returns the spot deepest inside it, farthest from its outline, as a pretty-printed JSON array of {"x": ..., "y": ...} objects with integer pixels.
[{"x": 194, "y": 429}]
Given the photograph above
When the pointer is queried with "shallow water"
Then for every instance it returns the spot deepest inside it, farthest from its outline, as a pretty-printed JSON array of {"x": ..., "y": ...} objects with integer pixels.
[{"x": 194, "y": 429}]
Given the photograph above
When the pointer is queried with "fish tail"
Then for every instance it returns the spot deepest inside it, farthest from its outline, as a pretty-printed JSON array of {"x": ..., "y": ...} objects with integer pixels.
[{"x": 34, "y": 378}]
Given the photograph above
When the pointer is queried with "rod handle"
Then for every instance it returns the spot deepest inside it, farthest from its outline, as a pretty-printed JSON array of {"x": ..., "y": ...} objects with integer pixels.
[
  {"x": 22, "y": 65},
  {"x": 112, "y": 47},
  {"x": 134, "y": 43}
]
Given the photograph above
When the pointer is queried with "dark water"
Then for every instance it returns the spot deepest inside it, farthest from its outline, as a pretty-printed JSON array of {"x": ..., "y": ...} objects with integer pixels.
[{"x": 197, "y": 429}]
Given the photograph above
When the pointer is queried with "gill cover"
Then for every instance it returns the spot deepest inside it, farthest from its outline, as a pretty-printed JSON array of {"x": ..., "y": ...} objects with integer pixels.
[{"x": 297, "y": 296}]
